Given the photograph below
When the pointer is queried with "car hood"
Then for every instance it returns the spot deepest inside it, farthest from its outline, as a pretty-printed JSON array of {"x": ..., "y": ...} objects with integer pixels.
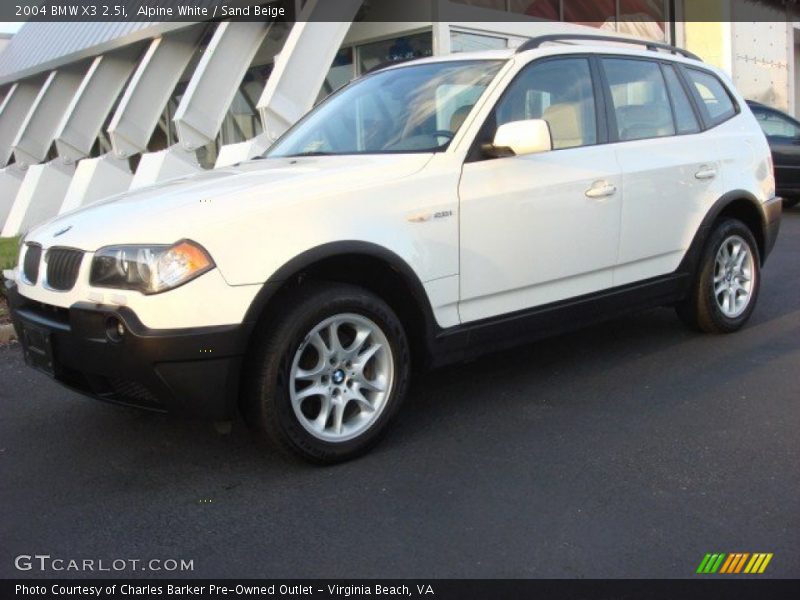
[{"x": 187, "y": 207}]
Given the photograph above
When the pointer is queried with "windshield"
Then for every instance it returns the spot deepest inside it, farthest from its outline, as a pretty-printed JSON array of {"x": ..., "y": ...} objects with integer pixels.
[{"x": 418, "y": 108}]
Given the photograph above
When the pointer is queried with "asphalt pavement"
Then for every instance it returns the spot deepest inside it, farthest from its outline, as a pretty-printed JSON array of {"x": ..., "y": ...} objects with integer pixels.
[{"x": 630, "y": 449}]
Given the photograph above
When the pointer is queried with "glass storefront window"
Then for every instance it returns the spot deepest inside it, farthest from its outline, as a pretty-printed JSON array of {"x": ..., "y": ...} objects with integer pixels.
[
  {"x": 242, "y": 121},
  {"x": 594, "y": 13},
  {"x": 640, "y": 18},
  {"x": 461, "y": 41},
  {"x": 541, "y": 9},
  {"x": 398, "y": 49},
  {"x": 490, "y": 4},
  {"x": 341, "y": 72}
]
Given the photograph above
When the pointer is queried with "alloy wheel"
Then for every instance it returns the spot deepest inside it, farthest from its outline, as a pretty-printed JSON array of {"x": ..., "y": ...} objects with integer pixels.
[
  {"x": 734, "y": 271},
  {"x": 341, "y": 377}
]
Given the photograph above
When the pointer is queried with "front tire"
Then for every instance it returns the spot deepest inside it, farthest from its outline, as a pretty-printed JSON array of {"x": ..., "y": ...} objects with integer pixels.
[
  {"x": 326, "y": 379},
  {"x": 728, "y": 278}
]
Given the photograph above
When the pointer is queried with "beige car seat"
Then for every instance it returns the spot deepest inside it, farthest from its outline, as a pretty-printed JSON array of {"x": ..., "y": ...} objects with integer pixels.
[{"x": 566, "y": 124}]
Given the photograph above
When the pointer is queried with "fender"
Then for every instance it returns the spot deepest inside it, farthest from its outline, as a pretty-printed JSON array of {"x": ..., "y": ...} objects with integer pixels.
[
  {"x": 768, "y": 216},
  {"x": 336, "y": 249}
]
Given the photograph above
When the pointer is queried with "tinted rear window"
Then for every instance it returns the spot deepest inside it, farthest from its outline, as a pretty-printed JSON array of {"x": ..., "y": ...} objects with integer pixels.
[{"x": 714, "y": 97}]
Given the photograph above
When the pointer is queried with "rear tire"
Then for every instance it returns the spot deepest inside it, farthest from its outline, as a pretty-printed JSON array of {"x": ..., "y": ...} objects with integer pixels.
[
  {"x": 724, "y": 292},
  {"x": 327, "y": 377}
]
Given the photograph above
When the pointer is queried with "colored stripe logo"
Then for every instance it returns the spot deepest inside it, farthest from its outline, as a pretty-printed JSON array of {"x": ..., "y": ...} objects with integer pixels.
[{"x": 738, "y": 562}]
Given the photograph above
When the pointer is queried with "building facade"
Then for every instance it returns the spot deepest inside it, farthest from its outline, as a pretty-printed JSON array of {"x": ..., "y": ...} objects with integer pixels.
[{"x": 88, "y": 110}]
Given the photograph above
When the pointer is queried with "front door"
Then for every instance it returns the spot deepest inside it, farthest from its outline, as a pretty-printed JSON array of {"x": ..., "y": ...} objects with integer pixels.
[{"x": 545, "y": 227}]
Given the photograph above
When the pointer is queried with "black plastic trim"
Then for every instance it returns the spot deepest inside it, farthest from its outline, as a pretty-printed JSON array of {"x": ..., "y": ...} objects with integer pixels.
[
  {"x": 692, "y": 256},
  {"x": 773, "y": 210},
  {"x": 32, "y": 262},
  {"x": 604, "y": 91},
  {"x": 673, "y": 111},
  {"x": 303, "y": 261},
  {"x": 63, "y": 266},
  {"x": 190, "y": 371},
  {"x": 469, "y": 340}
]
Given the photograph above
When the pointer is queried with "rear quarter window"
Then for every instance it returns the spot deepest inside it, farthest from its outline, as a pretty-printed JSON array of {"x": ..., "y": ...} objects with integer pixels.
[{"x": 715, "y": 100}]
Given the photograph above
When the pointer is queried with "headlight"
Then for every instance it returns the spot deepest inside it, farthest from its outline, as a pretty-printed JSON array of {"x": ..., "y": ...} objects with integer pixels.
[{"x": 149, "y": 269}]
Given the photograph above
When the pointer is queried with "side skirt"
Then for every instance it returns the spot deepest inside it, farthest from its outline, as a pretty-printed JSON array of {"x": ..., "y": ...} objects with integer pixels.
[{"x": 470, "y": 340}]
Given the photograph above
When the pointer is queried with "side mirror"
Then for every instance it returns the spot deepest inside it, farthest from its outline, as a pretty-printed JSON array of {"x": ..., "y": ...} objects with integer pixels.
[{"x": 519, "y": 138}]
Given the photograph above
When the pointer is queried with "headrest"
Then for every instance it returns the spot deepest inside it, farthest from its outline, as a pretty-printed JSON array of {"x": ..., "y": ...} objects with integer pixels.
[
  {"x": 566, "y": 124},
  {"x": 458, "y": 118}
]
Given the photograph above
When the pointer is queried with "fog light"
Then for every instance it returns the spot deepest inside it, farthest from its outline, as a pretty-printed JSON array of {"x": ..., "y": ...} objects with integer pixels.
[{"x": 115, "y": 329}]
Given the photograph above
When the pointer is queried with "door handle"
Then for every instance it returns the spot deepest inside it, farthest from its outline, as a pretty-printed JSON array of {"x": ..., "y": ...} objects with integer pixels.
[
  {"x": 601, "y": 189},
  {"x": 706, "y": 172}
]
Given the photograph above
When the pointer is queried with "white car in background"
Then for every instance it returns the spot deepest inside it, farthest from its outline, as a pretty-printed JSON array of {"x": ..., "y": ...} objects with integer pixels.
[{"x": 425, "y": 213}]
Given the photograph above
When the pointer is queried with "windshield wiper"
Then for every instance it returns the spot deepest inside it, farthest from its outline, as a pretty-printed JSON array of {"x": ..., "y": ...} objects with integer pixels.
[{"x": 310, "y": 153}]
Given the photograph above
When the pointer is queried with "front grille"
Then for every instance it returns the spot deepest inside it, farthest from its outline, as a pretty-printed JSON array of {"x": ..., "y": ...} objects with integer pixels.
[
  {"x": 62, "y": 268},
  {"x": 30, "y": 264}
]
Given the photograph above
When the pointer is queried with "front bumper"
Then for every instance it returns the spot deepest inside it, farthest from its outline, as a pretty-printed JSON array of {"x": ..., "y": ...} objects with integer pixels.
[{"x": 187, "y": 371}]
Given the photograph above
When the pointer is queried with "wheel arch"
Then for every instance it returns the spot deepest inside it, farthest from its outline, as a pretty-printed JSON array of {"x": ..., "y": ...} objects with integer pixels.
[
  {"x": 366, "y": 264},
  {"x": 738, "y": 204}
]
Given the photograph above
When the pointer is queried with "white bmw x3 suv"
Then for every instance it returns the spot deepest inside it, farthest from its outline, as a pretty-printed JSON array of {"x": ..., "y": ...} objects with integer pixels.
[{"x": 423, "y": 214}]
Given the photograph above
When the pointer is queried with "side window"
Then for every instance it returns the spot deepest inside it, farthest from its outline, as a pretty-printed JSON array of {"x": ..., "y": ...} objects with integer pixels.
[
  {"x": 558, "y": 91},
  {"x": 775, "y": 125},
  {"x": 685, "y": 119},
  {"x": 713, "y": 95},
  {"x": 640, "y": 99}
]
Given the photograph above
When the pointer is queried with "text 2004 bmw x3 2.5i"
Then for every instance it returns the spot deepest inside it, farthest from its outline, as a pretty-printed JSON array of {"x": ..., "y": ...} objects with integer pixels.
[{"x": 424, "y": 213}]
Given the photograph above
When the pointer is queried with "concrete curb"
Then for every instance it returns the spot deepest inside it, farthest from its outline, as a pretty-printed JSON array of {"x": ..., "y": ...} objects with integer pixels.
[{"x": 7, "y": 333}]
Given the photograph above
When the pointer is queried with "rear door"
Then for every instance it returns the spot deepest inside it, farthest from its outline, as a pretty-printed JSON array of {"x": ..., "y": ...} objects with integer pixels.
[{"x": 670, "y": 168}]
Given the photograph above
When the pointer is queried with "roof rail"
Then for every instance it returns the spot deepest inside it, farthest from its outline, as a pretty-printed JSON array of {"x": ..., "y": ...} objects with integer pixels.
[{"x": 536, "y": 42}]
